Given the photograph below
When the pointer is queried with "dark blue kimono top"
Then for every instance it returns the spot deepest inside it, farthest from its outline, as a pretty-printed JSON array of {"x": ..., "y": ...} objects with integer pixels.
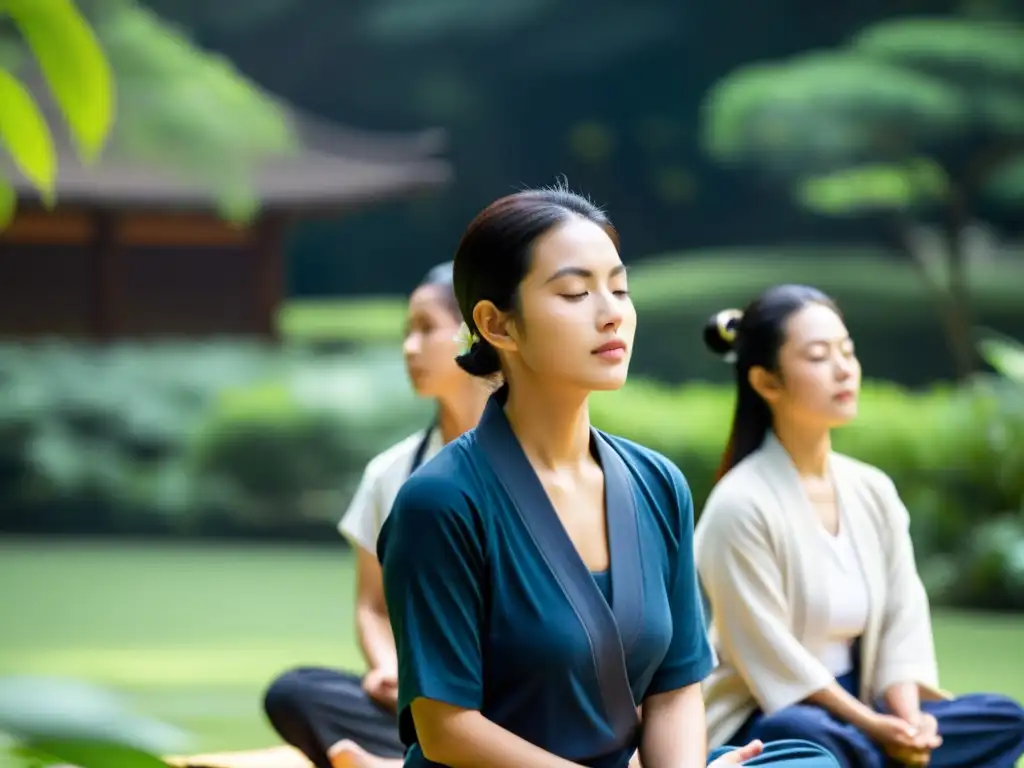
[{"x": 493, "y": 609}]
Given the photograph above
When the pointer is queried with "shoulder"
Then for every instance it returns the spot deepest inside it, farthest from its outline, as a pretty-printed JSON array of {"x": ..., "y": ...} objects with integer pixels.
[
  {"x": 649, "y": 465},
  {"x": 436, "y": 502},
  {"x": 861, "y": 472},
  {"x": 655, "y": 472},
  {"x": 743, "y": 500},
  {"x": 394, "y": 461},
  {"x": 875, "y": 488}
]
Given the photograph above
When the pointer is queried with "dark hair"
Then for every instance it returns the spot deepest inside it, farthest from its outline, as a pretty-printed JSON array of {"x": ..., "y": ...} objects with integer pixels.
[
  {"x": 495, "y": 253},
  {"x": 441, "y": 276},
  {"x": 750, "y": 338}
]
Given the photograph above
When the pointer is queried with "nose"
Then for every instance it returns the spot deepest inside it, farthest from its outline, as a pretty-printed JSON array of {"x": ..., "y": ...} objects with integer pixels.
[
  {"x": 843, "y": 368},
  {"x": 610, "y": 314},
  {"x": 411, "y": 344}
]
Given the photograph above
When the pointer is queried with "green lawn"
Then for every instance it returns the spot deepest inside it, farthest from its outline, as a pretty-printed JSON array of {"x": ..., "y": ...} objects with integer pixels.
[{"x": 193, "y": 633}]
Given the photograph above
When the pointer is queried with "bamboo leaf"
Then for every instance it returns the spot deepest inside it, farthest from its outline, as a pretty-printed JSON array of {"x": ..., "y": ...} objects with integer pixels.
[
  {"x": 73, "y": 63},
  {"x": 25, "y": 134}
]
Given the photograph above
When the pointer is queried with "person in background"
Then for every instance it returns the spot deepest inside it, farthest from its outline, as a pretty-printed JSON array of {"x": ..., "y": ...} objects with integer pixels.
[
  {"x": 341, "y": 719},
  {"x": 539, "y": 573},
  {"x": 820, "y": 620}
]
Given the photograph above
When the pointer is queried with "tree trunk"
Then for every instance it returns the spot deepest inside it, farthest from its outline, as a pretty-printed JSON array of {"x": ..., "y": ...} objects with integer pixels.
[
  {"x": 960, "y": 324},
  {"x": 952, "y": 295}
]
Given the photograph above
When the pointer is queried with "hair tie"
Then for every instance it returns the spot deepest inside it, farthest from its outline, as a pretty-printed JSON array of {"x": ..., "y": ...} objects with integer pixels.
[
  {"x": 466, "y": 338},
  {"x": 727, "y": 321}
]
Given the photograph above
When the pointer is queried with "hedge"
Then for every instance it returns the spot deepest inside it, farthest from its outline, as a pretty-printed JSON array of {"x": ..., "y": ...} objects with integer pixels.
[
  {"x": 881, "y": 293},
  {"x": 225, "y": 439}
]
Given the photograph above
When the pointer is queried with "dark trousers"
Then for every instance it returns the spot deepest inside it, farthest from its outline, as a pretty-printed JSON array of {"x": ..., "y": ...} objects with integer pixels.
[
  {"x": 313, "y": 709},
  {"x": 981, "y": 730}
]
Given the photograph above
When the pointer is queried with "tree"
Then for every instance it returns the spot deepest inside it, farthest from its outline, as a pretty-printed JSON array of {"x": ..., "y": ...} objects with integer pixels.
[
  {"x": 185, "y": 110},
  {"x": 913, "y": 119}
]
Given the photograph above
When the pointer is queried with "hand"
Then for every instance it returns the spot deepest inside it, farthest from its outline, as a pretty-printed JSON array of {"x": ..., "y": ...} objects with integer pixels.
[
  {"x": 928, "y": 739},
  {"x": 739, "y": 756},
  {"x": 381, "y": 685},
  {"x": 909, "y": 743}
]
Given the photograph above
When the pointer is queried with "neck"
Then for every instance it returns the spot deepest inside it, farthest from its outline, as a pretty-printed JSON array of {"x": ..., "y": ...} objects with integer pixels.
[
  {"x": 807, "y": 448},
  {"x": 460, "y": 411},
  {"x": 553, "y": 429}
]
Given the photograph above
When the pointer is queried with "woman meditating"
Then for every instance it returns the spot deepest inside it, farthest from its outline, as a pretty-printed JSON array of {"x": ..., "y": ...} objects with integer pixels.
[
  {"x": 820, "y": 620},
  {"x": 539, "y": 573},
  {"x": 345, "y": 720}
]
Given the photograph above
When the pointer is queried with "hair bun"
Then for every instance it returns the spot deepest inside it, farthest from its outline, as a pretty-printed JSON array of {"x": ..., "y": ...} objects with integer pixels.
[
  {"x": 481, "y": 359},
  {"x": 720, "y": 331}
]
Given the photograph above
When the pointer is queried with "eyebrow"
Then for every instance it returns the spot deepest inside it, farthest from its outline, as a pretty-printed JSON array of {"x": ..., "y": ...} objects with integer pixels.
[
  {"x": 584, "y": 273},
  {"x": 828, "y": 342}
]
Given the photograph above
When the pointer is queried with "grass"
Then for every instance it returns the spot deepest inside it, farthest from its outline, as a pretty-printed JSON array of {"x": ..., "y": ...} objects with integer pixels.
[{"x": 192, "y": 634}]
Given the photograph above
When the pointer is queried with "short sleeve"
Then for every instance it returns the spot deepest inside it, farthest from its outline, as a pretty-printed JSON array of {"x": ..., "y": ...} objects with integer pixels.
[
  {"x": 690, "y": 657},
  {"x": 431, "y": 552},
  {"x": 360, "y": 523}
]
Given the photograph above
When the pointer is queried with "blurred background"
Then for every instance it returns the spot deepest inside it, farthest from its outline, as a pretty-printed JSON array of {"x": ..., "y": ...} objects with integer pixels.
[{"x": 213, "y": 215}]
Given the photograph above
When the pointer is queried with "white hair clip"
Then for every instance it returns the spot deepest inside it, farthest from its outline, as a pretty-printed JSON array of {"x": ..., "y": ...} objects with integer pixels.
[{"x": 466, "y": 338}]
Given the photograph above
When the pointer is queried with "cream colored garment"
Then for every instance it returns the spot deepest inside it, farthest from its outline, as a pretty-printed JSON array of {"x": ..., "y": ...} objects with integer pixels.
[{"x": 760, "y": 559}]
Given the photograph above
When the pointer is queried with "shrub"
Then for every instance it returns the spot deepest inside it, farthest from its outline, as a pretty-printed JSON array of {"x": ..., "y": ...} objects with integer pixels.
[
  {"x": 282, "y": 451},
  {"x": 248, "y": 440}
]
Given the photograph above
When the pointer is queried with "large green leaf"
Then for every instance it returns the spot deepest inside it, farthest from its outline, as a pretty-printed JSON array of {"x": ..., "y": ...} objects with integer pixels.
[
  {"x": 23, "y": 131},
  {"x": 8, "y": 202},
  {"x": 73, "y": 63},
  {"x": 81, "y": 724},
  {"x": 89, "y": 754}
]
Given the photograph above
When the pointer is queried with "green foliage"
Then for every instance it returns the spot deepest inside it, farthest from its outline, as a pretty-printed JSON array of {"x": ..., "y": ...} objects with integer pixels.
[
  {"x": 261, "y": 442},
  {"x": 55, "y": 721},
  {"x": 887, "y": 306},
  {"x": 358, "y": 320},
  {"x": 869, "y": 108},
  {"x": 875, "y": 186},
  {"x": 184, "y": 110},
  {"x": 187, "y": 437},
  {"x": 1005, "y": 355},
  {"x": 24, "y": 132},
  {"x": 823, "y": 109},
  {"x": 189, "y": 111},
  {"x": 78, "y": 75}
]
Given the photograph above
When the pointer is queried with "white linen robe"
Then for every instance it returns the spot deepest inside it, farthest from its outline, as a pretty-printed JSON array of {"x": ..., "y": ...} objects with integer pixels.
[{"x": 759, "y": 555}]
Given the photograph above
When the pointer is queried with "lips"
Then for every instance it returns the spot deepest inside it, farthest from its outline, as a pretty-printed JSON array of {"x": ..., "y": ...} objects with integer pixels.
[{"x": 615, "y": 345}]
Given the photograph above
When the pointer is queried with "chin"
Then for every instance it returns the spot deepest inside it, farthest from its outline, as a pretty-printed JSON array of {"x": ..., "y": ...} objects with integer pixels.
[
  {"x": 608, "y": 383},
  {"x": 421, "y": 388},
  {"x": 845, "y": 416}
]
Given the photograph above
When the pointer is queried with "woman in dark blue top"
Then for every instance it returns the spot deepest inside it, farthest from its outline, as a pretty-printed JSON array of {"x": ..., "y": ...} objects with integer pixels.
[{"x": 538, "y": 573}]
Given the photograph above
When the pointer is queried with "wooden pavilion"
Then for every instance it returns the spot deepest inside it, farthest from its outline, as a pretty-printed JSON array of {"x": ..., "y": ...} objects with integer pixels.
[{"x": 134, "y": 251}]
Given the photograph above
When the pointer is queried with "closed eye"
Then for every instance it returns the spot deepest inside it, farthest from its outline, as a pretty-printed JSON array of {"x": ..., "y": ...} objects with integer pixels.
[{"x": 574, "y": 296}]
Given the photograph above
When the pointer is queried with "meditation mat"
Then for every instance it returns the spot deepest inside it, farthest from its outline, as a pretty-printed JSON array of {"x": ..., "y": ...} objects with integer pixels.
[{"x": 272, "y": 757}]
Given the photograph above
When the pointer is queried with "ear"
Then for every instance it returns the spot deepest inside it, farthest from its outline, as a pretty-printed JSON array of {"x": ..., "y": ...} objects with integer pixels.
[
  {"x": 494, "y": 326},
  {"x": 767, "y": 384}
]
